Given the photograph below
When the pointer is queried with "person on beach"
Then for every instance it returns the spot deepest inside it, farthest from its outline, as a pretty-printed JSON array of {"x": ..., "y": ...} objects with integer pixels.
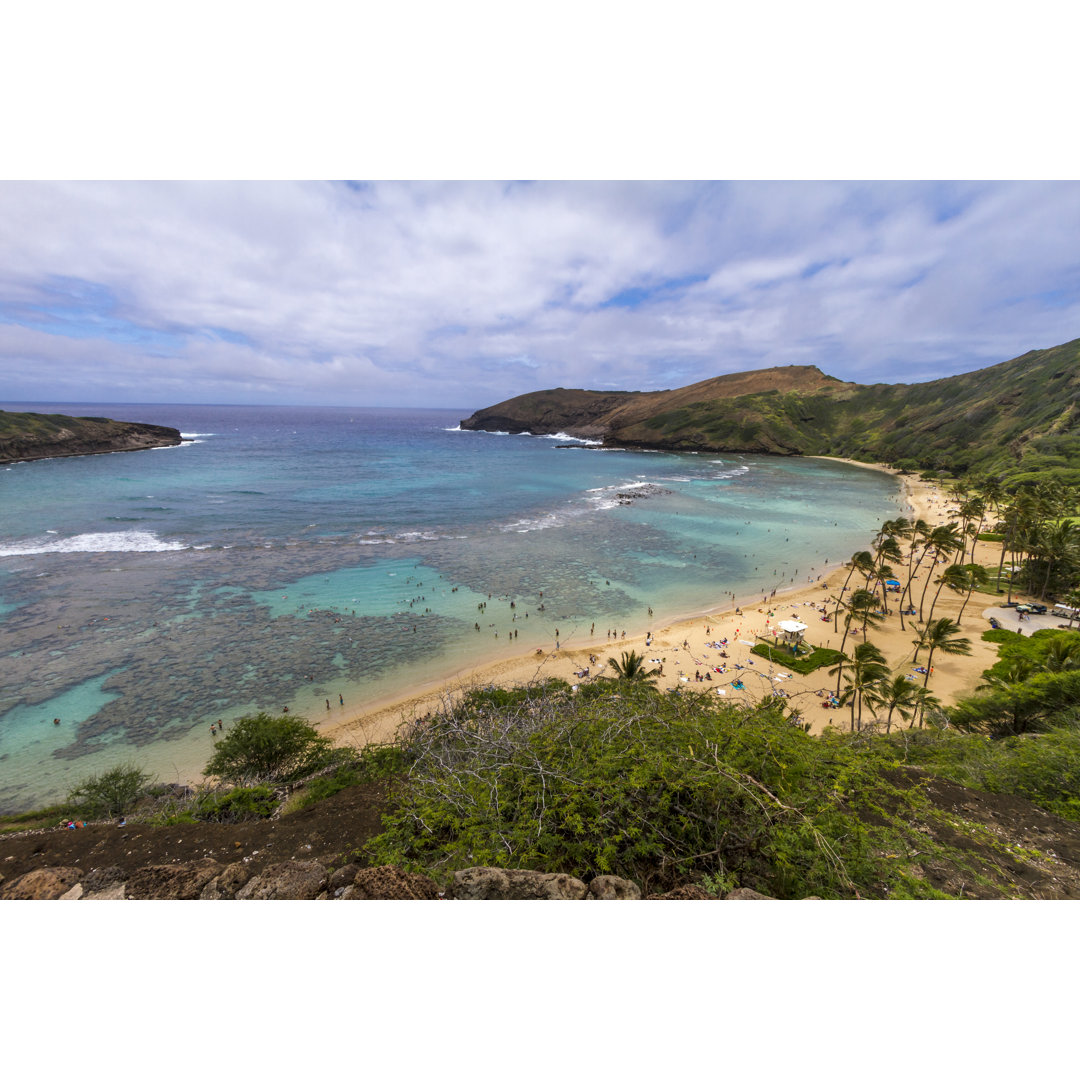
[{"x": 341, "y": 700}]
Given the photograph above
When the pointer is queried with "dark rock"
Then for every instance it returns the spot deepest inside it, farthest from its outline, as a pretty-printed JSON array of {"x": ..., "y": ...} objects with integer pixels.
[
  {"x": 101, "y": 878},
  {"x": 343, "y": 876},
  {"x": 226, "y": 885},
  {"x": 48, "y": 883},
  {"x": 492, "y": 883},
  {"x": 609, "y": 887},
  {"x": 389, "y": 883},
  {"x": 683, "y": 892},
  {"x": 175, "y": 881},
  {"x": 113, "y": 892},
  {"x": 300, "y": 880}
]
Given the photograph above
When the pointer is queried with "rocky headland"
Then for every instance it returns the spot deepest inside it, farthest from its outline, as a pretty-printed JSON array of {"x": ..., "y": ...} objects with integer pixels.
[{"x": 33, "y": 436}]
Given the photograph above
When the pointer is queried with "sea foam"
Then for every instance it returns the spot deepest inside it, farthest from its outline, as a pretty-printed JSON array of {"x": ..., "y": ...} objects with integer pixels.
[{"x": 132, "y": 540}]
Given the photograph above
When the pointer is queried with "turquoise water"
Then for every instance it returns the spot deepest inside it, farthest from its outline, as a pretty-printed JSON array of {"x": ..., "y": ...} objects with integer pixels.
[{"x": 286, "y": 556}]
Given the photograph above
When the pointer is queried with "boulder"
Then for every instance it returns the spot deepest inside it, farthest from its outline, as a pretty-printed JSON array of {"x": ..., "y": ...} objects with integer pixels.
[
  {"x": 299, "y": 880},
  {"x": 173, "y": 881},
  {"x": 492, "y": 883},
  {"x": 389, "y": 883},
  {"x": 48, "y": 883},
  {"x": 747, "y": 894},
  {"x": 103, "y": 879},
  {"x": 683, "y": 892},
  {"x": 74, "y": 893},
  {"x": 226, "y": 885},
  {"x": 113, "y": 892},
  {"x": 609, "y": 887},
  {"x": 342, "y": 877}
]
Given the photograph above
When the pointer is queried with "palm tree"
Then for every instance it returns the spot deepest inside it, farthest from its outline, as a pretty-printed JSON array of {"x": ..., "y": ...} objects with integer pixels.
[
  {"x": 632, "y": 667},
  {"x": 1072, "y": 599},
  {"x": 899, "y": 695},
  {"x": 866, "y": 669},
  {"x": 861, "y": 605},
  {"x": 940, "y": 636},
  {"x": 1062, "y": 654},
  {"x": 977, "y": 577},
  {"x": 1018, "y": 670},
  {"x": 944, "y": 540},
  {"x": 861, "y": 560},
  {"x": 952, "y": 577},
  {"x": 916, "y": 532}
]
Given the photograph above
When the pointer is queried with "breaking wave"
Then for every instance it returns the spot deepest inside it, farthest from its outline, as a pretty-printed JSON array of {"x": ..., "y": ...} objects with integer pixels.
[{"x": 132, "y": 540}]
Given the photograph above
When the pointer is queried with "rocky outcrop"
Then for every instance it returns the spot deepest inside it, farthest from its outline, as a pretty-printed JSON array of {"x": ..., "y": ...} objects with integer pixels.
[
  {"x": 32, "y": 436},
  {"x": 609, "y": 887},
  {"x": 493, "y": 883},
  {"x": 227, "y": 884},
  {"x": 300, "y": 880},
  {"x": 176, "y": 881},
  {"x": 207, "y": 879},
  {"x": 683, "y": 892},
  {"x": 389, "y": 883},
  {"x": 48, "y": 883},
  {"x": 103, "y": 879}
]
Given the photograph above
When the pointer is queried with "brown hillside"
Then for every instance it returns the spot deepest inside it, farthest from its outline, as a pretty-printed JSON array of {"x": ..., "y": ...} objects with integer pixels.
[{"x": 805, "y": 379}]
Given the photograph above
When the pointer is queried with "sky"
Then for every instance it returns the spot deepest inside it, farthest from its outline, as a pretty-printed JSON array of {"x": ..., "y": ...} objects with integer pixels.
[{"x": 466, "y": 293}]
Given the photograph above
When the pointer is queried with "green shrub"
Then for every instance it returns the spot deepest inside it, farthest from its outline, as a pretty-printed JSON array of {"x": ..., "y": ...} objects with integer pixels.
[
  {"x": 658, "y": 789},
  {"x": 269, "y": 749},
  {"x": 239, "y": 804},
  {"x": 373, "y": 763},
  {"x": 1044, "y": 769},
  {"x": 110, "y": 793}
]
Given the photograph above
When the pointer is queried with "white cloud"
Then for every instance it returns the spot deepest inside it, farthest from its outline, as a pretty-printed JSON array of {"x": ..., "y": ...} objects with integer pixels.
[{"x": 464, "y": 293}]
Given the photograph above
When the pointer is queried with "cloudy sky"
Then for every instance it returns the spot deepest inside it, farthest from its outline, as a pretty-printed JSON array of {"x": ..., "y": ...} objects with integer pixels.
[{"x": 463, "y": 294}]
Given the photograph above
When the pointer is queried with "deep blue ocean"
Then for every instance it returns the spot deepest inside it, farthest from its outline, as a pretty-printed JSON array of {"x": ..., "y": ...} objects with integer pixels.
[{"x": 293, "y": 556}]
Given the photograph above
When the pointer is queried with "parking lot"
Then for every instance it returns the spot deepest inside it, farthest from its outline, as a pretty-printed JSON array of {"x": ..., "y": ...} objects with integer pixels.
[{"x": 1009, "y": 619}]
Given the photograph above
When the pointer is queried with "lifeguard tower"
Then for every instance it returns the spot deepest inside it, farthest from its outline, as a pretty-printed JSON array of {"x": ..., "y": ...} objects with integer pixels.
[{"x": 791, "y": 634}]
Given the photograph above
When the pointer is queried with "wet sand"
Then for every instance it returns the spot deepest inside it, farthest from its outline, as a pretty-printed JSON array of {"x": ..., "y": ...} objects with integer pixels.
[{"x": 682, "y": 647}]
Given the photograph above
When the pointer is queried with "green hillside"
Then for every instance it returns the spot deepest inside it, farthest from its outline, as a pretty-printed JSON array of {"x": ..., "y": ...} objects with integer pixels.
[
  {"x": 1017, "y": 420},
  {"x": 30, "y": 436}
]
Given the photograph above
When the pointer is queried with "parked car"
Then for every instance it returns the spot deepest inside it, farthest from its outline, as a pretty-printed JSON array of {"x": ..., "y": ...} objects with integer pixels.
[{"x": 1038, "y": 609}]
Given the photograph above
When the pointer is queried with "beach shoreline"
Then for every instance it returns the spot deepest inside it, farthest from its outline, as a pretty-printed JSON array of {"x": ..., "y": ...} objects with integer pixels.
[{"x": 680, "y": 645}]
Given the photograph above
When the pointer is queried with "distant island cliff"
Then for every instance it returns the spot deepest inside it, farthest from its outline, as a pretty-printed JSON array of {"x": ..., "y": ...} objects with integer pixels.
[
  {"x": 32, "y": 436},
  {"x": 1018, "y": 420}
]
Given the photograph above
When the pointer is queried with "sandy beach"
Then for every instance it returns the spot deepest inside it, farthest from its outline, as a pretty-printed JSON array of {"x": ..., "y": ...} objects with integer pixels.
[{"x": 686, "y": 649}]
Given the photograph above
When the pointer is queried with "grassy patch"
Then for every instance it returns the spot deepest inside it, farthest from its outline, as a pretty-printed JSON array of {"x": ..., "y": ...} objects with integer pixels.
[
  {"x": 804, "y": 665},
  {"x": 45, "y": 818}
]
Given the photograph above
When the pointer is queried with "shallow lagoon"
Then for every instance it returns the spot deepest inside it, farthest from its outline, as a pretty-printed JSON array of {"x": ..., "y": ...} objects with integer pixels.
[{"x": 286, "y": 556}]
